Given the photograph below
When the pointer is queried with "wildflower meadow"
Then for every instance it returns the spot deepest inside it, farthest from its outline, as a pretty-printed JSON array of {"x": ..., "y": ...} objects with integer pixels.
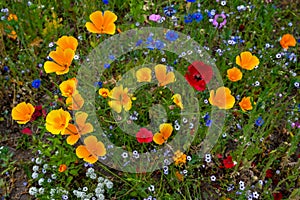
[{"x": 165, "y": 100}]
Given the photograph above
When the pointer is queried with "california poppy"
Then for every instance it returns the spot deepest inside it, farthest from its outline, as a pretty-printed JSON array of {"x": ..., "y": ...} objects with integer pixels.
[
  {"x": 91, "y": 150},
  {"x": 67, "y": 42},
  {"x": 62, "y": 168},
  {"x": 222, "y": 98},
  {"x": 177, "y": 100},
  {"x": 61, "y": 61},
  {"x": 68, "y": 87},
  {"x": 144, "y": 136},
  {"x": 165, "y": 131},
  {"x": 246, "y": 60},
  {"x": 143, "y": 75},
  {"x": 57, "y": 121},
  {"x": 75, "y": 102},
  {"x": 23, "y": 112},
  {"x": 120, "y": 99},
  {"x": 102, "y": 23},
  {"x": 287, "y": 41},
  {"x": 234, "y": 74},
  {"x": 198, "y": 75},
  {"x": 245, "y": 104},
  {"x": 79, "y": 128},
  {"x": 162, "y": 76},
  {"x": 12, "y": 35},
  {"x": 104, "y": 92}
]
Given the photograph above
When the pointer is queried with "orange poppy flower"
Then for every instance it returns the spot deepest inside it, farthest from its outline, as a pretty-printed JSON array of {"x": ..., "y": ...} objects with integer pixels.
[
  {"x": 75, "y": 102},
  {"x": 104, "y": 92},
  {"x": 121, "y": 99},
  {"x": 68, "y": 87},
  {"x": 12, "y": 17},
  {"x": 245, "y": 104},
  {"x": 162, "y": 76},
  {"x": 165, "y": 131},
  {"x": 67, "y": 42},
  {"x": 177, "y": 100},
  {"x": 246, "y": 60},
  {"x": 79, "y": 128},
  {"x": 234, "y": 74},
  {"x": 23, "y": 112},
  {"x": 57, "y": 121},
  {"x": 179, "y": 176},
  {"x": 143, "y": 75},
  {"x": 287, "y": 41},
  {"x": 12, "y": 35},
  {"x": 102, "y": 23},
  {"x": 62, "y": 168},
  {"x": 61, "y": 61},
  {"x": 222, "y": 98},
  {"x": 91, "y": 150}
]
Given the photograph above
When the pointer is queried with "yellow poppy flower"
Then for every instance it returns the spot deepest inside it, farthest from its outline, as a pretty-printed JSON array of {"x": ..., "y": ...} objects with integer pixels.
[
  {"x": 245, "y": 104},
  {"x": 75, "y": 102},
  {"x": 102, "y": 23},
  {"x": 67, "y": 42},
  {"x": 57, "y": 121},
  {"x": 165, "y": 131},
  {"x": 120, "y": 99},
  {"x": 287, "y": 41},
  {"x": 143, "y": 75},
  {"x": 68, "y": 87},
  {"x": 61, "y": 61},
  {"x": 162, "y": 76},
  {"x": 222, "y": 98},
  {"x": 91, "y": 150},
  {"x": 103, "y": 92},
  {"x": 246, "y": 60},
  {"x": 177, "y": 100},
  {"x": 23, "y": 112},
  {"x": 234, "y": 74}
]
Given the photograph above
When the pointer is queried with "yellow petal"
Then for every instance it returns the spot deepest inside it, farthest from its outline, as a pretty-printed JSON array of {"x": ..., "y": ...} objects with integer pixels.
[
  {"x": 158, "y": 138},
  {"x": 92, "y": 28},
  {"x": 143, "y": 75},
  {"x": 166, "y": 130}
]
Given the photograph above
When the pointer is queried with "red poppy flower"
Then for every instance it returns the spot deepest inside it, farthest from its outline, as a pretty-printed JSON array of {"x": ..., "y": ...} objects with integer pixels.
[
  {"x": 38, "y": 112},
  {"x": 269, "y": 173},
  {"x": 144, "y": 136},
  {"x": 26, "y": 131},
  {"x": 277, "y": 196},
  {"x": 228, "y": 163},
  {"x": 198, "y": 75}
]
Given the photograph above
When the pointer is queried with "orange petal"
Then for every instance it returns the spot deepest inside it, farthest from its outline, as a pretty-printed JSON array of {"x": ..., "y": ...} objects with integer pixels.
[
  {"x": 97, "y": 19},
  {"x": 52, "y": 67},
  {"x": 75, "y": 102},
  {"x": 100, "y": 149},
  {"x": 90, "y": 142},
  {"x": 166, "y": 130},
  {"x": 66, "y": 42},
  {"x": 91, "y": 159},
  {"x": 72, "y": 139},
  {"x": 158, "y": 138},
  {"x": 110, "y": 29},
  {"x": 92, "y": 28},
  {"x": 143, "y": 75},
  {"x": 160, "y": 72},
  {"x": 115, "y": 105},
  {"x": 69, "y": 55},
  {"x": 82, "y": 152},
  {"x": 109, "y": 18},
  {"x": 87, "y": 128},
  {"x": 80, "y": 118}
]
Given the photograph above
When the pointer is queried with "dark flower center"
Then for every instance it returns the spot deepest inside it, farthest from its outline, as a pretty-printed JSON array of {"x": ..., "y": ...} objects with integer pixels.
[{"x": 197, "y": 77}]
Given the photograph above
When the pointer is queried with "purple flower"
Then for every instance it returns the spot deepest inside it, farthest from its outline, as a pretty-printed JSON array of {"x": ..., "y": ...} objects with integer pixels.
[
  {"x": 154, "y": 17},
  {"x": 219, "y": 20},
  {"x": 171, "y": 36},
  {"x": 197, "y": 16},
  {"x": 36, "y": 83},
  {"x": 295, "y": 125}
]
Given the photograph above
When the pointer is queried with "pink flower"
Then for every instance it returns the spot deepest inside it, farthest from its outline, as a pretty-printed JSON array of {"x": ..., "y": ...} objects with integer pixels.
[
  {"x": 144, "y": 136},
  {"x": 219, "y": 20},
  {"x": 154, "y": 17},
  {"x": 26, "y": 131}
]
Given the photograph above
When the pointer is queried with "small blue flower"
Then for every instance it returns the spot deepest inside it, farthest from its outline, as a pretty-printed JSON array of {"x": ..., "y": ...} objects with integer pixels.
[
  {"x": 5, "y": 68},
  {"x": 98, "y": 84},
  {"x": 197, "y": 16},
  {"x": 192, "y": 1},
  {"x": 106, "y": 66},
  {"x": 111, "y": 57},
  {"x": 188, "y": 18},
  {"x": 138, "y": 43},
  {"x": 206, "y": 117},
  {"x": 298, "y": 40},
  {"x": 159, "y": 44},
  {"x": 36, "y": 83},
  {"x": 105, "y": 1},
  {"x": 259, "y": 121},
  {"x": 171, "y": 36},
  {"x": 169, "y": 11},
  {"x": 208, "y": 122}
]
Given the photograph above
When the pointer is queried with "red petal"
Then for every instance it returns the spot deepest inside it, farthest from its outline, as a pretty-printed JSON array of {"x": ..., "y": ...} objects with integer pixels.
[{"x": 26, "y": 131}]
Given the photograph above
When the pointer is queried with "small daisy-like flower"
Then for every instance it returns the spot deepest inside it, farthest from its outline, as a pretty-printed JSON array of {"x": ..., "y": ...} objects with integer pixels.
[
  {"x": 213, "y": 178},
  {"x": 255, "y": 195},
  {"x": 207, "y": 157},
  {"x": 177, "y": 127},
  {"x": 223, "y": 3},
  {"x": 242, "y": 187},
  {"x": 151, "y": 188},
  {"x": 35, "y": 168},
  {"x": 33, "y": 191},
  {"x": 34, "y": 175},
  {"x": 124, "y": 155},
  {"x": 85, "y": 189}
]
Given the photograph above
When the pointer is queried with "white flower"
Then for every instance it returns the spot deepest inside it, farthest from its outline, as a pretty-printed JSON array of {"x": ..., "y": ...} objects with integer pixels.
[
  {"x": 207, "y": 157},
  {"x": 151, "y": 188},
  {"x": 255, "y": 195},
  {"x": 84, "y": 189},
  {"x": 53, "y": 176},
  {"x": 124, "y": 155},
  {"x": 177, "y": 127},
  {"x": 41, "y": 190},
  {"x": 100, "y": 179},
  {"x": 101, "y": 197},
  {"x": 90, "y": 170},
  {"x": 35, "y": 168},
  {"x": 34, "y": 175},
  {"x": 99, "y": 190},
  {"x": 189, "y": 158},
  {"x": 223, "y": 3},
  {"x": 109, "y": 185},
  {"x": 33, "y": 191},
  {"x": 38, "y": 161},
  {"x": 93, "y": 176},
  {"x": 213, "y": 178},
  {"x": 41, "y": 181}
]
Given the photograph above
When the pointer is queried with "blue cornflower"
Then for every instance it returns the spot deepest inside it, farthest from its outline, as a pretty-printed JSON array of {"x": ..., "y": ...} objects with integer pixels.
[
  {"x": 159, "y": 44},
  {"x": 5, "y": 68},
  {"x": 171, "y": 36},
  {"x": 105, "y": 1},
  {"x": 208, "y": 122},
  {"x": 36, "y": 83},
  {"x": 188, "y": 18},
  {"x": 169, "y": 11},
  {"x": 298, "y": 40},
  {"x": 111, "y": 57},
  {"x": 150, "y": 42},
  {"x": 259, "y": 121},
  {"x": 192, "y": 1},
  {"x": 206, "y": 117},
  {"x": 106, "y": 66},
  {"x": 138, "y": 43},
  {"x": 98, "y": 84},
  {"x": 197, "y": 16}
]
